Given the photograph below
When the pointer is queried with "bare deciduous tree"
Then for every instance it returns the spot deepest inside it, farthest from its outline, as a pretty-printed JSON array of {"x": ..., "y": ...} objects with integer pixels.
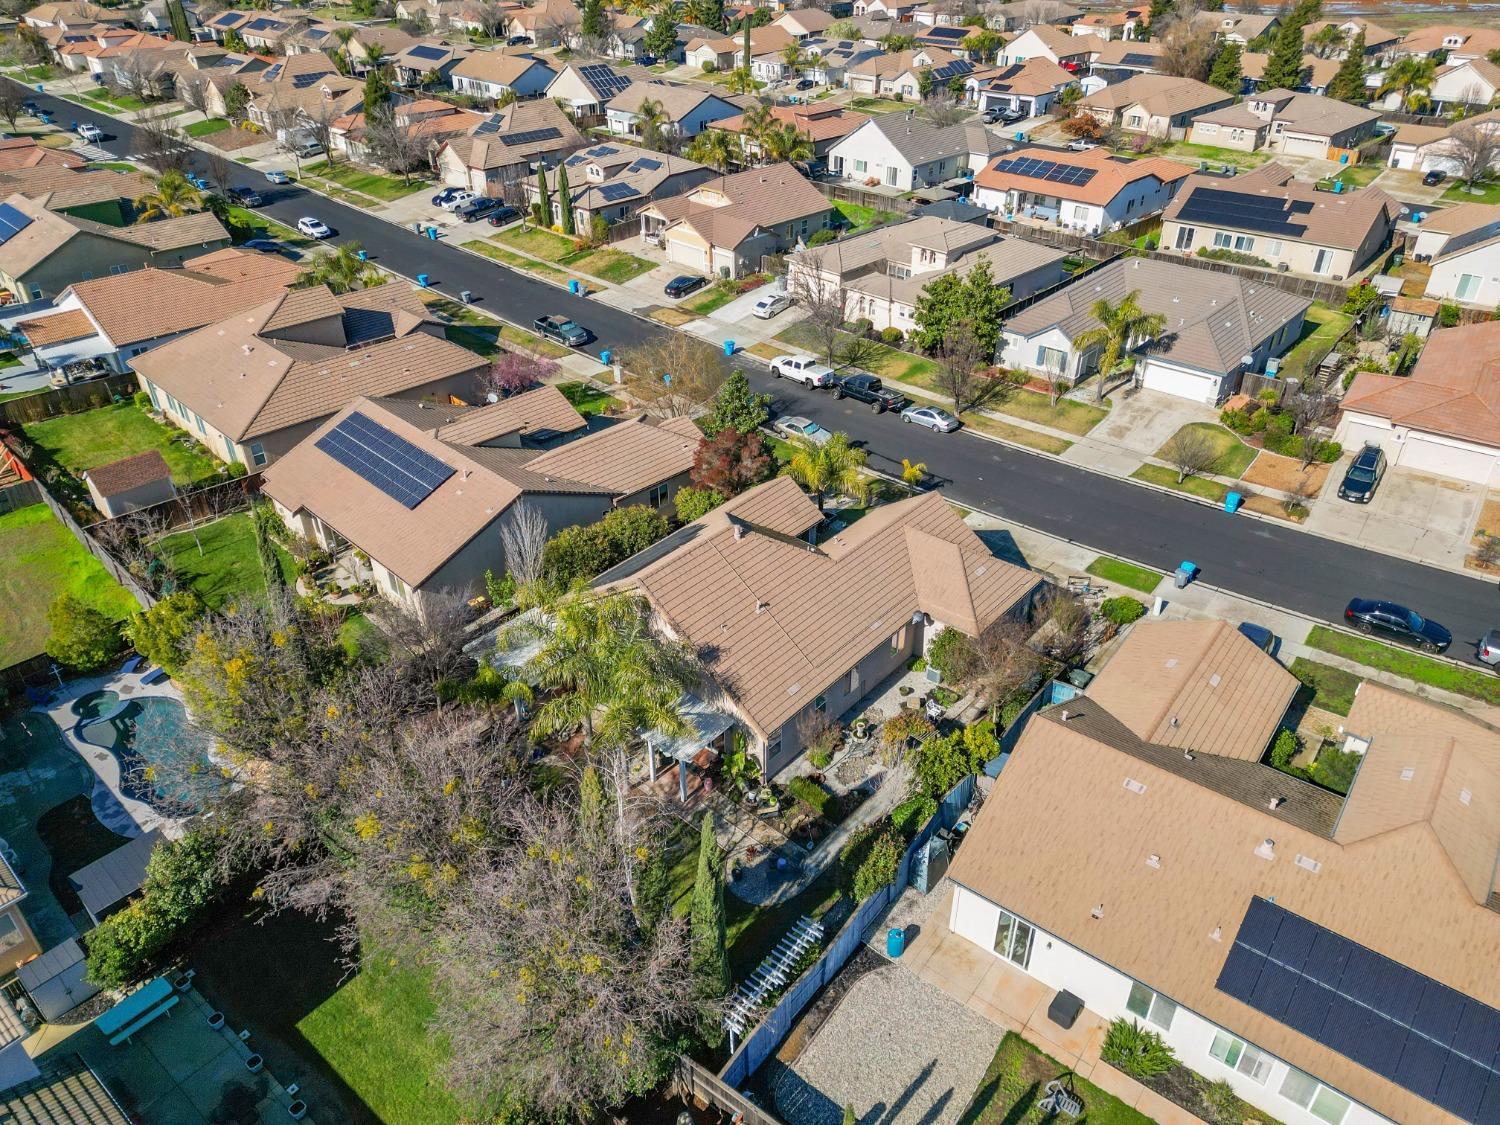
[
  {"x": 813, "y": 283},
  {"x": 490, "y": 17},
  {"x": 393, "y": 145},
  {"x": 674, "y": 374},
  {"x": 942, "y": 110},
  {"x": 522, "y": 538},
  {"x": 1475, "y": 147},
  {"x": 192, "y": 91},
  {"x": 138, "y": 75},
  {"x": 1065, "y": 621},
  {"x": 1191, "y": 452},
  {"x": 318, "y": 124},
  {"x": 963, "y": 375},
  {"x": 1187, "y": 47},
  {"x": 1001, "y": 661},
  {"x": 1310, "y": 410},
  {"x": 12, "y": 103},
  {"x": 160, "y": 143}
]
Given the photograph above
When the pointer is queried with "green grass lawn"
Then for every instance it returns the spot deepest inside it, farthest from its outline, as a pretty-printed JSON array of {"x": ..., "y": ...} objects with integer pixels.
[
  {"x": 208, "y": 127},
  {"x": 1015, "y": 1082},
  {"x": 1484, "y": 193},
  {"x": 226, "y": 569},
  {"x": 707, "y": 301},
  {"x": 1193, "y": 486},
  {"x": 1124, "y": 573},
  {"x": 857, "y": 216},
  {"x": 42, "y": 562},
  {"x": 102, "y": 98},
  {"x": 1356, "y": 175},
  {"x": 500, "y": 254},
  {"x": 1020, "y": 435},
  {"x": 1321, "y": 328},
  {"x": 373, "y": 184},
  {"x": 1413, "y": 666},
  {"x": 587, "y": 400},
  {"x": 613, "y": 266},
  {"x": 1332, "y": 688},
  {"x": 79, "y": 442},
  {"x": 1068, "y": 415},
  {"x": 539, "y": 243},
  {"x": 1233, "y": 455},
  {"x": 878, "y": 105},
  {"x": 1183, "y": 151},
  {"x": 754, "y": 930}
]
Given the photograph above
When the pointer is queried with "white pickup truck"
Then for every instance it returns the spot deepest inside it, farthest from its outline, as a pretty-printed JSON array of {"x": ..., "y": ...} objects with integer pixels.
[{"x": 802, "y": 368}]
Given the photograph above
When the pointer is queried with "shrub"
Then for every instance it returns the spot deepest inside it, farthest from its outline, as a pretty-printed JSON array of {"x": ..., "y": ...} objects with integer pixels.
[
  {"x": 710, "y": 67},
  {"x": 1135, "y": 1050},
  {"x": 863, "y": 326},
  {"x": 809, "y": 794},
  {"x": 1285, "y": 748},
  {"x": 237, "y": 469},
  {"x": 909, "y": 816},
  {"x": 163, "y": 633},
  {"x": 1361, "y": 298},
  {"x": 870, "y": 859},
  {"x": 1447, "y": 316},
  {"x": 1222, "y": 1103},
  {"x": 1329, "y": 451},
  {"x": 822, "y": 237},
  {"x": 82, "y": 637},
  {"x": 691, "y": 503},
  {"x": 820, "y": 758},
  {"x": 1123, "y": 610},
  {"x": 590, "y": 550},
  {"x": 949, "y": 654},
  {"x": 142, "y": 399},
  {"x": 1278, "y": 423},
  {"x": 1239, "y": 421},
  {"x": 941, "y": 763}
]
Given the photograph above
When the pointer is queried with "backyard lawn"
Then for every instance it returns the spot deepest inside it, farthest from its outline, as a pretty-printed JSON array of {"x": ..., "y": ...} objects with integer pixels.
[
  {"x": 1233, "y": 456},
  {"x": 373, "y": 184},
  {"x": 1484, "y": 193},
  {"x": 1124, "y": 574},
  {"x": 207, "y": 127},
  {"x": 1332, "y": 688},
  {"x": 588, "y": 401},
  {"x": 1015, "y": 1083},
  {"x": 858, "y": 216},
  {"x": 1403, "y": 662},
  {"x": 79, "y": 442},
  {"x": 1321, "y": 328},
  {"x": 1193, "y": 486},
  {"x": 226, "y": 569},
  {"x": 43, "y": 561}
]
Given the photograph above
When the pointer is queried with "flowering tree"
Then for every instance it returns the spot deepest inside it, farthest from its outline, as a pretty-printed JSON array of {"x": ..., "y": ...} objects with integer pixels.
[{"x": 512, "y": 372}]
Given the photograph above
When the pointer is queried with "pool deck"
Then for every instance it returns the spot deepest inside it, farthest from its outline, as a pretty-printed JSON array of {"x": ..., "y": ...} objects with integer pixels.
[{"x": 123, "y": 814}]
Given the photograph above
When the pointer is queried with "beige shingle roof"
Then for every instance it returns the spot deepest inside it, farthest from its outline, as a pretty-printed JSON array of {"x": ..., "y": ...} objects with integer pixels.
[
  {"x": 626, "y": 457},
  {"x": 725, "y": 210},
  {"x": 1453, "y": 390},
  {"x": 677, "y": 101},
  {"x": 492, "y": 66},
  {"x": 130, "y": 472},
  {"x": 1160, "y": 95},
  {"x": 543, "y": 411},
  {"x": 489, "y": 151},
  {"x": 49, "y": 230}
]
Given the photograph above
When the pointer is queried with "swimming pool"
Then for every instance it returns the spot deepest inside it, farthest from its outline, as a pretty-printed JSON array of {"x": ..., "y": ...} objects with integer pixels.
[{"x": 153, "y": 742}]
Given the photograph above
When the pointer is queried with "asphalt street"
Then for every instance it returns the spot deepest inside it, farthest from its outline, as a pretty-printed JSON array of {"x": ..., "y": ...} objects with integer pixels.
[{"x": 1278, "y": 565}]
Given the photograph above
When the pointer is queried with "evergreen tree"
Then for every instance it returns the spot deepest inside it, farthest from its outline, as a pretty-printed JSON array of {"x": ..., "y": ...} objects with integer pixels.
[
  {"x": 265, "y": 553},
  {"x": 1348, "y": 83},
  {"x": 1227, "y": 74},
  {"x": 661, "y": 39},
  {"x": 747, "y": 44},
  {"x": 178, "y": 19},
  {"x": 710, "y": 950},
  {"x": 377, "y": 90},
  {"x": 543, "y": 196},
  {"x": 653, "y": 885},
  {"x": 1284, "y": 67},
  {"x": 593, "y": 24},
  {"x": 592, "y": 813},
  {"x": 1153, "y": 24},
  {"x": 564, "y": 199}
]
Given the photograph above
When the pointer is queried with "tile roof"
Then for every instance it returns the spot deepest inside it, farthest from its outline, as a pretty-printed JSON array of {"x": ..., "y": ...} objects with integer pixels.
[
  {"x": 66, "y": 1092},
  {"x": 1477, "y": 41},
  {"x": 676, "y": 100},
  {"x": 1113, "y": 52},
  {"x": 542, "y": 412},
  {"x": 489, "y": 151},
  {"x": 74, "y": 324},
  {"x": 1375, "y": 35},
  {"x": 912, "y": 59},
  {"x": 1244, "y": 24},
  {"x": 130, "y": 472},
  {"x": 817, "y": 123},
  {"x": 1454, "y": 388},
  {"x": 1110, "y": 177},
  {"x": 779, "y": 620},
  {"x": 1213, "y": 319},
  {"x": 764, "y": 40},
  {"x": 24, "y": 152},
  {"x": 1161, "y": 95},
  {"x": 61, "y": 186},
  {"x": 496, "y": 68},
  {"x": 1319, "y": 71},
  {"x": 727, "y": 209},
  {"x": 1060, "y": 43},
  {"x": 918, "y": 142},
  {"x": 627, "y": 456},
  {"x": 50, "y": 230}
]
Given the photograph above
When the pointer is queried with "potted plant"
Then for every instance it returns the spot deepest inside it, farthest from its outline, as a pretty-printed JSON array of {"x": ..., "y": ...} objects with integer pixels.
[
  {"x": 216, "y": 1020},
  {"x": 254, "y": 1063}
]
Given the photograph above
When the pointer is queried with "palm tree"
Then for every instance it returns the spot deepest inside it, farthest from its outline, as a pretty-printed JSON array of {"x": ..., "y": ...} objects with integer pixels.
[
  {"x": 758, "y": 122},
  {"x": 1120, "y": 325},
  {"x": 341, "y": 56},
  {"x": 173, "y": 196},
  {"x": 791, "y": 57},
  {"x": 1329, "y": 38},
  {"x": 652, "y": 119},
  {"x": 339, "y": 268},
  {"x": 717, "y": 148},
  {"x": 1410, "y": 76},
  {"x": 834, "y": 466},
  {"x": 786, "y": 142}
]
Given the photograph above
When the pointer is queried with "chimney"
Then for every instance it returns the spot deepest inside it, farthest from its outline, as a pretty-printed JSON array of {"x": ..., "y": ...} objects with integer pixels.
[
  {"x": 1189, "y": 756},
  {"x": 739, "y": 530}
]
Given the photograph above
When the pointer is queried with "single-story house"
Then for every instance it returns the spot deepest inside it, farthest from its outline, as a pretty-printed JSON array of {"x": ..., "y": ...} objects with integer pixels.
[
  {"x": 829, "y": 61},
  {"x": 1018, "y": 15},
  {"x": 438, "y": 530},
  {"x": 904, "y": 151},
  {"x": 1031, "y": 87},
  {"x": 252, "y": 386},
  {"x": 504, "y": 147},
  {"x": 1158, "y": 105},
  {"x": 1088, "y": 191},
  {"x": 726, "y": 52},
  {"x": 492, "y": 75},
  {"x": 429, "y": 121},
  {"x": 613, "y": 181},
  {"x": 427, "y": 62},
  {"x": 1218, "y": 326},
  {"x": 1047, "y": 42},
  {"x": 1428, "y": 148},
  {"x": 900, "y": 73},
  {"x": 1455, "y": 44},
  {"x": 1317, "y": 72},
  {"x": 1229, "y": 26},
  {"x": 1118, "y": 59},
  {"x": 1294, "y": 124},
  {"x": 1120, "y": 24},
  {"x": 1462, "y": 244},
  {"x": 686, "y": 110},
  {"x": 805, "y": 23},
  {"x": 130, "y": 484},
  {"x": 546, "y": 23},
  {"x": 1444, "y": 417},
  {"x": 822, "y": 124}
]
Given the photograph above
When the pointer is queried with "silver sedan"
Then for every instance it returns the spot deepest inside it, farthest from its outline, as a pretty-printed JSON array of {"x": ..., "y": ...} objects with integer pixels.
[{"x": 934, "y": 418}]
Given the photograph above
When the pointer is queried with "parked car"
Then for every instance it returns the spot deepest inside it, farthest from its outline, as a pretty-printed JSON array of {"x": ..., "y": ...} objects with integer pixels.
[
  {"x": 277, "y": 176},
  {"x": 264, "y": 245},
  {"x": 1397, "y": 622},
  {"x": 502, "y": 216},
  {"x": 1011, "y": 116},
  {"x": 518, "y": 41},
  {"x": 685, "y": 284},
  {"x": 457, "y": 200},
  {"x": 805, "y": 84},
  {"x": 314, "y": 228},
  {"x": 91, "y": 132},
  {"x": 30, "y": 108},
  {"x": 936, "y": 419},
  {"x": 990, "y": 116},
  {"x": 1081, "y": 145},
  {"x": 245, "y": 197},
  {"x": 1435, "y": 177},
  {"x": 1258, "y": 635},
  {"x": 864, "y": 387},
  {"x": 771, "y": 304},
  {"x": 1489, "y": 647},
  {"x": 443, "y": 196},
  {"x": 802, "y": 368},
  {"x": 476, "y": 209},
  {"x": 796, "y": 426},
  {"x": 1363, "y": 476},
  {"x": 305, "y": 149},
  {"x": 563, "y": 330}
]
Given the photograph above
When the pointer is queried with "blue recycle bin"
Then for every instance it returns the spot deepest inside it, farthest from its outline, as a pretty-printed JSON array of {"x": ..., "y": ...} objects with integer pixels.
[
  {"x": 422, "y": 280},
  {"x": 1232, "y": 502},
  {"x": 432, "y": 233},
  {"x": 728, "y": 347},
  {"x": 573, "y": 286},
  {"x": 364, "y": 255},
  {"x": 1184, "y": 573},
  {"x": 1344, "y": 158},
  {"x": 606, "y": 358},
  {"x": 895, "y": 941}
]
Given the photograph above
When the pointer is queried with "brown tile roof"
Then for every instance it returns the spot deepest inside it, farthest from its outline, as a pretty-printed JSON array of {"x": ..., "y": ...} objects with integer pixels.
[
  {"x": 1037, "y": 75},
  {"x": 724, "y": 211},
  {"x": 492, "y": 66},
  {"x": 764, "y": 40},
  {"x": 1109, "y": 179},
  {"x": 1479, "y": 41},
  {"x": 1375, "y": 35},
  {"x": 49, "y": 230},
  {"x": 817, "y": 123},
  {"x": 24, "y": 152},
  {"x": 130, "y": 472},
  {"x": 625, "y": 457},
  {"x": 1462, "y": 218},
  {"x": 1320, "y": 72},
  {"x": 677, "y": 100},
  {"x": 43, "y": 330},
  {"x": 1114, "y": 51},
  {"x": 1161, "y": 95},
  {"x": 1454, "y": 388},
  {"x": 780, "y": 620},
  {"x": 1060, "y": 43},
  {"x": 1061, "y": 833},
  {"x": 490, "y": 151},
  {"x": 542, "y": 411},
  {"x": 1343, "y": 220},
  {"x": 60, "y": 186}
]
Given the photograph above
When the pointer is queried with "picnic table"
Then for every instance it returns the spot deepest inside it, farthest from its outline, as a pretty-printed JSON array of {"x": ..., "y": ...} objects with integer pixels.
[{"x": 137, "y": 1010}]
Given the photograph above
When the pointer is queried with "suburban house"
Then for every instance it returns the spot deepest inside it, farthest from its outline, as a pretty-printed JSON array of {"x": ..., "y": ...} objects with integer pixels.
[
  {"x": 686, "y": 110},
  {"x": 1217, "y": 327},
  {"x": 1140, "y": 818},
  {"x": 829, "y": 61},
  {"x": 1474, "y": 82},
  {"x": 883, "y": 271},
  {"x": 74, "y": 14},
  {"x": 546, "y": 23},
  {"x": 1295, "y": 124},
  {"x": 822, "y": 124},
  {"x": 425, "y": 489},
  {"x": 614, "y": 181},
  {"x": 1444, "y": 417},
  {"x": 1378, "y": 40},
  {"x": 1455, "y": 44},
  {"x": 1118, "y": 59},
  {"x": 1237, "y": 27},
  {"x": 726, "y": 52},
  {"x": 115, "y": 318},
  {"x": 896, "y": 11},
  {"x": 725, "y": 226},
  {"x": 903, "y": 151},
  {"x": 503, "y": 148},
  {"x": 1428, "y": 148},
  {"x": 88, "y": 192},
  {"x": 251, "y": 386},
  {"x": 1089, "y": 191},
  {"x": 1317, "y": 72},
  {"x": 805, "y": 23},
  {"x": 1031, "y": 87},
  {"x": 1462, "y": 244},
  {"x": 492, "y": 75},
  {"x": 791, "y": 627},
  {"x": 24, "y": 152},
  {"x": 213, "y": 70},
  {"x": 1018, "y": 15},
  {"x": 428, "y": 62},
  {"x": 428, "y": 121},
  {"x": 130, "y": 484},
  {"x": 946, "y": 38},
  {"x": 1047, "y": 42},
  {"x": 901, "y": 73},
  {"x": 1312, "y": 232},
  {"x": 1158, "y": 105},
  {"x": 585, "y": 88},
  {"x": 301, "y": 89},
  {"x": 42, "y": 252},
  {"x": 1120, "y": 24}
]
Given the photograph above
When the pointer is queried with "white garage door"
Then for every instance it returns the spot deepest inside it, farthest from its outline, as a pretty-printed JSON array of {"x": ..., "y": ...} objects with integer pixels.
[
  {"x": 1183, "y": 384},
  {"x": 1425, "y": 455},
  {"x": 1305, "y": 146}
]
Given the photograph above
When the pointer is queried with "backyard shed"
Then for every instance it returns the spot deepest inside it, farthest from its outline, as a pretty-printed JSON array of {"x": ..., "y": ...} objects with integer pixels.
[
  {"x": 55, "y": 980},
  {"x": 105, "y": 884},
  {"x": 131, "y": 483}
]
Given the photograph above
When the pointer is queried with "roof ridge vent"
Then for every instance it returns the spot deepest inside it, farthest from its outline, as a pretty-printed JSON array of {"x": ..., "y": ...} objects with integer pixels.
[{"x": 1266, "y": 849}]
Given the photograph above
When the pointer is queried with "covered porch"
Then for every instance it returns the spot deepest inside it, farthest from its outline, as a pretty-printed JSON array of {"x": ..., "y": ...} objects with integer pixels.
[{"x": 693, "y": 752}]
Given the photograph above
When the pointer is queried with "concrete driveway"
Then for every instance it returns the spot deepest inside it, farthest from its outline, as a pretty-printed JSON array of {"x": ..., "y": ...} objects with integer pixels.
[
  {"x": 1408, "y": 186},
  {"x": 1413, "y": 514}
]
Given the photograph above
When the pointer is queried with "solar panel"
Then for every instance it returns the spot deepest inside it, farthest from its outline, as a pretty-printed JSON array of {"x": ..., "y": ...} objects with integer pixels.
[
  {"x": 600, "y": 150},
  {"x": 1421, "y": 1034},
  {"x": 392, "y": 464},
  {"x": 1259, "y": 213},
  {"x": 645, "y": 163},
  {"x": 531, "y": 135},
  {"x": 271, "y": 73},
  {"x": 422, "y": 51},
  {"x": 605, "y": 80},
  {"x": 613, "y": 193},
  {"x": 12, "y": 222},
  {"x": 1036, "y": 169},
  {"x": 1135, "y": 58},
  {"x": 303, "y": 81},
  {"x": 261, "y": 25}
]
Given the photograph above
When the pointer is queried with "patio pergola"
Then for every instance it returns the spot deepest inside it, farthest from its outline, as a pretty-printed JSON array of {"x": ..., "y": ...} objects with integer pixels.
[{"x": 705, "y": 725}]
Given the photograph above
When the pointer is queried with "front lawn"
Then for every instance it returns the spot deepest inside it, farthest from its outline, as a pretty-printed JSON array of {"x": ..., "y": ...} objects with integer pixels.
[
  {"x": 1124, "y": 574},
  {"x": 1194, "y": 486},
  {"x": 613, "y": 266},
  {"x": 103, "y": 99},
  {"x": 42, "y": 562},
  {"x": 1410, "y": 665},
  {"x": 1015, "y": 1083},
  {"x": 1231, "y": 456},
  {"x": 1068, "y": 415},
  {"x": 538, "y": 242},
  {"x": 708, "y": 301},
  {"x": 373, "y": 184},
  {"x": 879, "y": 105},
  {"x": 208, "y": 127},
  {"x": 79, "y": 442},
  {"x": 1321, "y": 328},
  {"x": 1355, "y": 175},
  {"x": 1186, "y": 152},
  {"x": 225, "y": 570},
  {"x": 1332, "y": 688},
  {"x": 587, "y": 400},
  {"x": 1483, "y": 193},
  {"x": 515, "y": 261},
  {"x": 1019, "y": 435}
]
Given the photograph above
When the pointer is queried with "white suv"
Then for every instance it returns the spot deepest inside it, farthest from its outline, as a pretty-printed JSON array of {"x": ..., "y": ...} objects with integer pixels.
[
  {"x": 454, "y": 202},
  {"x": 802, "y": 368}
]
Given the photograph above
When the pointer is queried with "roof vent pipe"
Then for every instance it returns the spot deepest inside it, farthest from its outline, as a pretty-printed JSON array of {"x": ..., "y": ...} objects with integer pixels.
[{"x": 1275, "y": 803}]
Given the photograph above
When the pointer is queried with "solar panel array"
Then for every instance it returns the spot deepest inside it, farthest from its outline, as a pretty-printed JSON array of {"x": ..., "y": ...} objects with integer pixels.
[
  {"x": 613, "y": 193},
  {"x": 1422, "y": 1035},
  {"x": 1263, "y": 214},
  {"x": 271, "y": 73},
  {"x": 392, "y": 464},
  {"x": 1136, "y": 59},
  {"x": 12, "y": 222},
  {"x": 303, "y": 81},
  {"x": 530, "y": 135},
  {"x": 956, "y": 69},
  {"x": 1036, "y": 169},
  {"x": 423, "y": 51},
  {"x": 644, "y": 164},
  {"x": 261, "y": 25},
  {"x": 605, "y": 80}
]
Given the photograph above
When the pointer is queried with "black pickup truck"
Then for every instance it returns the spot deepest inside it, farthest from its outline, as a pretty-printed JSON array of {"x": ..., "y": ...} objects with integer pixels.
[
  {"x": 563, "y": 330},
  {"x": 865, "y": 387}
]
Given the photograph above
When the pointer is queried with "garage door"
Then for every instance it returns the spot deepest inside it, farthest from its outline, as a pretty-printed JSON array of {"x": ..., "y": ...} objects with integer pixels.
[
  {"x": 1305, "y": 146},
  {"x": 1183, "y": 384},
  {"x": 1425, "y": 455}
]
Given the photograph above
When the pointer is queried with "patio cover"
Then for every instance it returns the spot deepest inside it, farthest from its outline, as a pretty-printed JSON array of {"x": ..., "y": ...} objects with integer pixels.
[
  {"x": 705, "y": 724},
  {"x": 116, "y": 876},
  {"x": 516, "y": 655}
]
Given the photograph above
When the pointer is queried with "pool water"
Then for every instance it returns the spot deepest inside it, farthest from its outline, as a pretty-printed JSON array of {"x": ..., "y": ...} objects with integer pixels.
[{"x": 153, "y": 741}]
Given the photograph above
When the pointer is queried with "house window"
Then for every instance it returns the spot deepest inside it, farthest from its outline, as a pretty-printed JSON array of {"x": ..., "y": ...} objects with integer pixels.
[
  {"x": 1244, "y": 242},
  {"x": 1013, "y": 939},
  {"x": 1051, "y": 359},
  {"x": 1240, "y": 1056},
  {"x": 398, "y": 587},
  {"x": 1306, "y": 1091},
  {"x": 1133, "y": 121},
  {"x": 773, "y": 748},
  {"x": 658, "y": 496},
  {"x": 257, "y": 453},
  {"x": 198, "y": 421},
  {"x": 1272, "y": 249},
  {"x": 1185, "y": 237},
  {"x": 898, "y": 639},
  {"x": 151, "y": 390},
  {"x": 820, "y": 705},
  {"x": 861, "y": 166},
  {"x": 1468, "y": 287},
  {"x": 1222, "y": 241},
  {"x": 135, "y": 351},
  {"x": 1151, "y": 1006},
  {"x": 1080, "y": 213},
  {"x": 1324, "y": 261},
  {"x": 853, "y": 681}
]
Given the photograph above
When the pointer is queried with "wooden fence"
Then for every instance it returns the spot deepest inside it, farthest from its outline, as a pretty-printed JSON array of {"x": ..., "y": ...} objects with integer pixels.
[
  {"x": 843, "y": 192},
  {"x": 67, "y": 400},
  {"x": 111, "y": 564},
  {"x": 189, "y": 508},
  {"x": 698, "y": 1084}
]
